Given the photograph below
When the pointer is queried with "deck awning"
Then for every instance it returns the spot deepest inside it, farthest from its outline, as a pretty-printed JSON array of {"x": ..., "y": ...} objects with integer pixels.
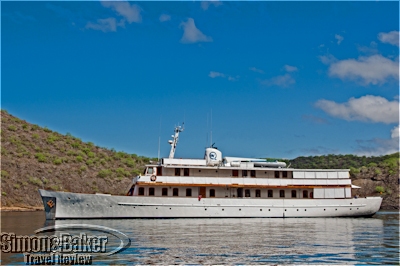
[{"x": 354, "y": 186}]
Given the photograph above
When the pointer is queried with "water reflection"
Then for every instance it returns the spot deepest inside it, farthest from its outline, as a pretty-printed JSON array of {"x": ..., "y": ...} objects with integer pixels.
[{"x": 256, "y": 241}]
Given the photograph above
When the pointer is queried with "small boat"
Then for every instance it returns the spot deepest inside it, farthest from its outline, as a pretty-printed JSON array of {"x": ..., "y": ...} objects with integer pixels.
[{"x": 219, "y": 187}]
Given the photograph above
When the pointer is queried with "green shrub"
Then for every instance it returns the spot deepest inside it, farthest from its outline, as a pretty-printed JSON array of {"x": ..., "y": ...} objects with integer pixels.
[
  {"x": 89, "y": 162},
  {"x": 12, "y": 128},
  {"x": 17, "y": 186},
  {"x": 104, "y": 173},
  {"x": 51, "y": 138},
  {"x": 82, "y": 168},
  {"x": 25, "y": 126},
  {"x": 380, "y": 189},
  {"x": 4, "y": 173},
  {"x": 35, "y": 136},
  {"x": 41, "y": 157},
  {"x": 35, "y": 181},
  {"x": 378, "y": 171},
  {"x": 34, "y": 127},
  {"x": 79, "y": 158},
  {"x": 46, "y": 129},
  {"x": 91, "y": 154},
  {"x": 75, "y": 144},
  {"x": 372, "y": 164},
  {"x": 58, "y": 161},
  {"x": 4, "y": 193},
  {"x": 122, "y": 172}
]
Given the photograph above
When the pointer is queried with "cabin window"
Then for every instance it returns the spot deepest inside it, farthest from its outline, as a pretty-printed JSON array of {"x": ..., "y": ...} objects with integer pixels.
[
  {"x": 284, "y": 174},
  {"x": 177, "y": 171},
  {"x": 164, "y": 191},
  {"x": 305, "y": 194},
  {"x": 247, "y": 193},
  {"x": 188, "y": 192},
  {"x": 150, "y": 170},
  {"x": 294, "y": 194},
  {"x": 244, "y": 173},
  {"x": 186, "y": 171},
  {"x": 270, "y": 193},
  {"x": 276, "y": 174},
  {"x": 311, "y": 195},
  {"x": 151, "y": 191},
  {"x": 175, "y": 192},
  {"x": 141, "y": 191},
  {"x": 235, "y": 173},
  {"x": 258, "y": 193},
  {"x": 282, "y": 193},
  {"x": 253, "y": 173},
  {"x": 212, "y": 193}
]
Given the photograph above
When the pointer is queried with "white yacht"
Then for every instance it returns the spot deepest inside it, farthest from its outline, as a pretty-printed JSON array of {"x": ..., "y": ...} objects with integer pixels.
[{"x": 219, "y": 187}]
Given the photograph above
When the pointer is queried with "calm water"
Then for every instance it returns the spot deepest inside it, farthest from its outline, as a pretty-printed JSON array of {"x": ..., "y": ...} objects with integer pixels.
[{"x": 239, "y": 241}]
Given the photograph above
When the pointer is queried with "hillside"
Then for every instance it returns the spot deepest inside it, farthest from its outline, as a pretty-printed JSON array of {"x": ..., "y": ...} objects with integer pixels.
[{"x": 33, "y": 157}]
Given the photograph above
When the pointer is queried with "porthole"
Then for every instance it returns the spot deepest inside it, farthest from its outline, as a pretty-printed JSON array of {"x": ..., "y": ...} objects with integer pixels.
[
  {"x": 324, "y": 209},
  {"x": 205, "y": 209},
  {"x": 305, "y": 210},
  {"x": 350, "y": 209},
  {"x": 297, "y": 209},
  {"x": 156, "y": 208},
  {"x": 357, "y": 208},
  {"x": 222, "y": 209},
  {"x": 240, "y": 209},
  {"x": 260, "y": 210},
  {"x": 335, "y": 209},
  {"x": 269, "y": 210},
  {"x": 170, "y": 208},
  {"x": 285, "y": 209}
]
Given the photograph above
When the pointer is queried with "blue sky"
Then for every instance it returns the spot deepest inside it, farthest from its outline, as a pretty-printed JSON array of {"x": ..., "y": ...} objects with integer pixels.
[{"x": 268, "y": 79}]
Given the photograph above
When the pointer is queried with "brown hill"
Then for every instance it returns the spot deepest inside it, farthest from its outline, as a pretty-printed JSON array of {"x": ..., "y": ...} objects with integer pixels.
[{"x": 33, "y": 157}]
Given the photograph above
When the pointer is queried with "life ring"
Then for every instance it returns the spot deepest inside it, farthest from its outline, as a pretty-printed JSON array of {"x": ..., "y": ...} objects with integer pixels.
[{"x": 153, "y": 178}]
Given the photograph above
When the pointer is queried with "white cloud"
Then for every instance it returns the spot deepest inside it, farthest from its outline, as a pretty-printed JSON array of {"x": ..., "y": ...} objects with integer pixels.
[
  {"x": 395, "y": 132},
  {"x": 191, "y": 34},
  {"x": 164, "y": 17},
  {"x": 366, "y": 108},
  {"x": 389, "y": 37},
  {"x": 214, "y": 74},
  {"x": 290, "y": 68},
  {"x": 377, "y": 146},
  {"x": 256, "y": 70},
  {"x": 130, "y": 12},
  {"x": 338, "y": 38},
  {"x": 206, "y": 4},
  {"x": 374, "y": 69},
  {"x": 281, "y": 81},
  {"x": 105, "y": 25}
]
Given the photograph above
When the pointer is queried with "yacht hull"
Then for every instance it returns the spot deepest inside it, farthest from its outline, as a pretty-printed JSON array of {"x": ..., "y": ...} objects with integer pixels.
[{"x": 66, "y": 205}]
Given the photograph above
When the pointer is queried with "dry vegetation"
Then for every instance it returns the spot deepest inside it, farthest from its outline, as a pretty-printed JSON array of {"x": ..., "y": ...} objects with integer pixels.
[{"x": 33, "y": 157}]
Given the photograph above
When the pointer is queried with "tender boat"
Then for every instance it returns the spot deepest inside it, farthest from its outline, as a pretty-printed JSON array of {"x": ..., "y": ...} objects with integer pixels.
[{"x": 219, "y": 187}]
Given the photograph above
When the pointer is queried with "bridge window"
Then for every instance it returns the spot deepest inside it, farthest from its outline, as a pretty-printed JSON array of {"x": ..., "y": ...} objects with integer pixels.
[
  {"x": 258, "y": 193},
  {"x": 186, "y": 171},
  {"x": 212, "y": 193},
  {"x": 141, "y": 191},
  {"x": 305, "y": 194},
  {"x": 188, "y": 192},
  {"x": 284, "y": 174},
  {"x": 151, "y": 191},
  {"x": 177, "y": 171},
  {"x": 294, "y": 194},
  {"x": 235, "y": 173},
  {"x": 276, "y": 174},
  {"x": 164, "y": 191},
  {"x": 270, "y": 193},
  {"x": 282, "y": 193},
  {"x": 175, "y": 192},
  {"x": 247, "y": 193},
  {"x": 253, "y": 173},
  {"x": 150, "y": 170}
]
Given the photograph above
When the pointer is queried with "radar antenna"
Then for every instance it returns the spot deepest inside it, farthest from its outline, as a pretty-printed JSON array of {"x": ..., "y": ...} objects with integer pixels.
[{"x": 174, "y": 141}]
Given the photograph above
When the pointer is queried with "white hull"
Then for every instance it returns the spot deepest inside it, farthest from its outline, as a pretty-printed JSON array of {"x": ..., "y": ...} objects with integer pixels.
[{"x": 93, "y": 206}]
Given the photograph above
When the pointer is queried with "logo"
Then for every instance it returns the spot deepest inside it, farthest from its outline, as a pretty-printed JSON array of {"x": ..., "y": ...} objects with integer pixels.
[
  {"x": 69, "y": 245},
  {"x": 213, "y": 156}
]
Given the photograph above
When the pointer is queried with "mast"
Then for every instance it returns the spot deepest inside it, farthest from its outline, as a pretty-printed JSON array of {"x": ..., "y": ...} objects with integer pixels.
[{"x": 174, "y": 141}]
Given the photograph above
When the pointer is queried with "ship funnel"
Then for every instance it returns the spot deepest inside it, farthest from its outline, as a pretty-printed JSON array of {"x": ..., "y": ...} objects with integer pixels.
[{"x": 213, "y": 156}]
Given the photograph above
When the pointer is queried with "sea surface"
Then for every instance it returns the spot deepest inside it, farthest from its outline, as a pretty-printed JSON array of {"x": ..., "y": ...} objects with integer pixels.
[{"x": 341, "y": 241}]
